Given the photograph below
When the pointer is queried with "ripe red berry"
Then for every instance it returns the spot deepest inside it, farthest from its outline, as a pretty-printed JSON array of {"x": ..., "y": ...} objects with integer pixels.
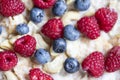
[
  {"x": 37, "y": 74},
  {"x": 112, "y": 62},
  {"x": 89, "y": 27},
  {"x": 94, "y": 64},
  {"x": 106, "y": 18},
  {"x": 43, "y": 4},
  {"x": 11, "y": 7},
  {"x": 53, "y": 29},
  {"x": 25, "y": 46},
  {"x": 8, "y": 60}
]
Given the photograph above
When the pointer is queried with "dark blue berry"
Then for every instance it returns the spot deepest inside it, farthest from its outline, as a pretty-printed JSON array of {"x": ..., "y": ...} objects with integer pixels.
[
  {"x": 59, "y": 45},
  {"x": 71, "y": 65},
  {"x": 82, "y": 5},
  {"x": 59, "y": 8},
  {"x": 37, "y": 15},
  {"x": 71, "y": 33},
  {"x": 0, "y": 29},
  {"x": 22, "y": 29},
  {"x": 42, "y": 56}
]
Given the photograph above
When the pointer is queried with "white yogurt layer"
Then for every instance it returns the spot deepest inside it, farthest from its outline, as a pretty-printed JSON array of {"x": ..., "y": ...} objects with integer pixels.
[{"x": 78, "y": 49}]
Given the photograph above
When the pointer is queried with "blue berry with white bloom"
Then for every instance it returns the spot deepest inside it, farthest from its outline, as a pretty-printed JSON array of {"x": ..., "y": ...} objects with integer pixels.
[
  {"x": 0, "y": 29},
  {"x": 59, "y": 45},
  {"x": 82, "y": 5},
  {"x": 37, "y": 15},
  {"x": 42, "y": 56},
  {"x": 71, "y": 65},
  {"x": 59, "y": 8},
  {"x": 71, "y": 33},
  {"x": 22, "y": 29}
]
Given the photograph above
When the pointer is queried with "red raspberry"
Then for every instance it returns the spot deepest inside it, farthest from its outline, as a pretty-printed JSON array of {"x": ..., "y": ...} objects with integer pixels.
[
  {"x": 37, "y": 74},
  {"x": 89, "y": 27},
  {"x": 43, "y": 4},
  {"x": 8, "y": 60},
  {"x": 53, "y": 28},
  {"x": 112, "y": 62},
  {"x": 106, "y": 18},
  {"x": 94, "y": 64},
  {"x": 25, "y": 46},
  {"x": 11, "y": 7}
]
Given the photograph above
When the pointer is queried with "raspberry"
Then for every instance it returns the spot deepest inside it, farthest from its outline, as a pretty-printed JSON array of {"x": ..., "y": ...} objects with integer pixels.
[
  {"x": 106, "y": 18},
  {"x": 53, "y": 29},
  {"x": 89, "y": 27},
  {"x": 25, "y": 46},
  {"x": 112, "y": 62},
  {"x": 94, "y": 64},
  {"x": 37, "y": 74},
  {"x": 8, "y": 60},
  {"x": 11, "y": 7},
  {"x": 44, "y": 4}
]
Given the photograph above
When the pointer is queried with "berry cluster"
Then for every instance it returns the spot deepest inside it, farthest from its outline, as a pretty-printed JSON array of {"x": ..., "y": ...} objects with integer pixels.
[
  {"x": 104, "y": 19},
  {"x": 95, "y": 64},
  {"x": 25, "y": 46},
  {"x": 89, "y": 26}
]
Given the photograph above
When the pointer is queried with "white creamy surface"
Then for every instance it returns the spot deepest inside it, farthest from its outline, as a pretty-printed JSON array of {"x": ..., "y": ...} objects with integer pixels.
[{"x": 78, "y": 49}]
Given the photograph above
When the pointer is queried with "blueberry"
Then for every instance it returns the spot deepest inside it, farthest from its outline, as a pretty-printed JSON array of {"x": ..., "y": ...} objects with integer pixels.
[
  {"x": 59, "y": 45},
  {"x": 42, "y": 56},
  {"x": 59, "y": 8},
  {"x": 71, "y": 65},
  {"x": 22, "y": 29},
  {"x": 82, "y": 5},
  {"x": 37, "y": 15},
  {"x": 0, "y": 29},
  {"x": 71, "y": 33}
]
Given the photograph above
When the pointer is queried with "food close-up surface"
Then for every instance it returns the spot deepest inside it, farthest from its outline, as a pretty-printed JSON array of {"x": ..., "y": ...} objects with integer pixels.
[{"x": 59, "y": 39}]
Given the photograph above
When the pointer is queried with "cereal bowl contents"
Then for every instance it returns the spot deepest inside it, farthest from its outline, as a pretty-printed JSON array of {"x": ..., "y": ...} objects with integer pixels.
[{"x": 59, "y": 40}]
